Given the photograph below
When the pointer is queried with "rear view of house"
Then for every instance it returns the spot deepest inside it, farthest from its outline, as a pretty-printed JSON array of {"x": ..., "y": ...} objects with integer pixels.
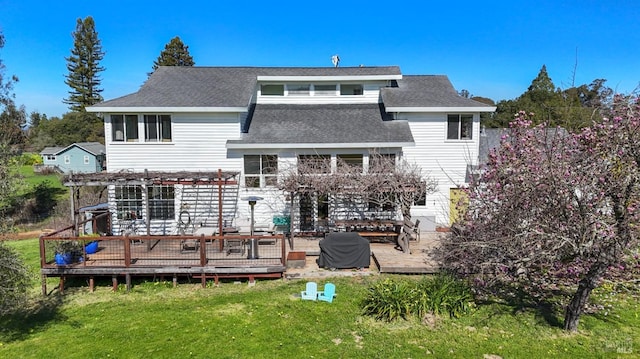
[{"x": 259, "y": 123}]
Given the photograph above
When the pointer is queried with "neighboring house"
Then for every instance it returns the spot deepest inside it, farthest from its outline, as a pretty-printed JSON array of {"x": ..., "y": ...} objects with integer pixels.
[
  {"x": 81, "y": 157},
  {"x": 261, "y": 121}
]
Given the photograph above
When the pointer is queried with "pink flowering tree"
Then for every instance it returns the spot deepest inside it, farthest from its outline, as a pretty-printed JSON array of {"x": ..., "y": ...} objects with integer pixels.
[{"x": 553, "y": 212}]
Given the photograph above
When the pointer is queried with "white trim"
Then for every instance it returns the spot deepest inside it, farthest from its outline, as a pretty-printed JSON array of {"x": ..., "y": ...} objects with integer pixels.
[
  {"x": 441, "y": 109},
  {"x": 156, "y": 109},
  {"x": 330, "y": 78},
  {"x": 249, "y": 146}
]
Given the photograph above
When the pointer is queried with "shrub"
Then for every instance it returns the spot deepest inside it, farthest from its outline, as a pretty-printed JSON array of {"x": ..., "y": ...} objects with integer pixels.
[
  {"x": 389, "y": 299},
  {"x": 442, "y": 294}
]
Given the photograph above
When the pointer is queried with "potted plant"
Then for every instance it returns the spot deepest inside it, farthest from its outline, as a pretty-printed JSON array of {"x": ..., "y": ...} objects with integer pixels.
[{"x": 67, "y": 251}]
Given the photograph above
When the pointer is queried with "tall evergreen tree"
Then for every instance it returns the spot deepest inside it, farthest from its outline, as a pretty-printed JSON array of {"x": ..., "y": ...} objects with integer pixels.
[
  {"x": 175, "y": 53},
  {"x": 84, "y": 66}
]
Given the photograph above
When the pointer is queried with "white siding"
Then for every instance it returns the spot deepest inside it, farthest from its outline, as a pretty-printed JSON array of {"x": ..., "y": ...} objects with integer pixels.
[
  {"x": 198, "y": 144},
  {"x": 443, "y": 160}
]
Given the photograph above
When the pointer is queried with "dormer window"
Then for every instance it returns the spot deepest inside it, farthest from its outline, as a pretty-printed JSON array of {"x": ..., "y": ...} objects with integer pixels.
[
  {"x": 324, "y": 90},
  {"x": 351, "y": 90},
  {"x": 272, "y": 90},
  {"x": 298, "y": 89}
]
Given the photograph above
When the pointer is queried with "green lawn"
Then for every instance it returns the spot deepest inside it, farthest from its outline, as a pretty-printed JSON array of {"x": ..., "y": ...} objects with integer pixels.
[
  {"x": 33, "y": 179},
  {"x": 155, "y": 320}
]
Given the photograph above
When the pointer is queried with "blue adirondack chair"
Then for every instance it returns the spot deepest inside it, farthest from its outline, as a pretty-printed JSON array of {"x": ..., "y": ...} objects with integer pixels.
[
  {"x": 328, "y": 293},
  {"x": 311, "y": 292}
]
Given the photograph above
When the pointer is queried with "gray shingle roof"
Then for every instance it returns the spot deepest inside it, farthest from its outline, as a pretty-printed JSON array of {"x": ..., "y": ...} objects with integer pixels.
[
  {"x": 426, "y": 91},
  {"x": 50, "y": 150},
  {"x": 187, "y": 86},
  {"x": 303, "y": 124}
]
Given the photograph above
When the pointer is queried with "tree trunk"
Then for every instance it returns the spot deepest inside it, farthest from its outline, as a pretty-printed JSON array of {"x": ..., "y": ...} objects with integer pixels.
[{"x": 581, "y": 296}]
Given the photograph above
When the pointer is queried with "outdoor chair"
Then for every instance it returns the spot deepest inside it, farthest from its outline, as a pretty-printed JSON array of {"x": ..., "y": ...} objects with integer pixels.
[
  {"x": 311, "y": 292},
  {"x": 416, "y": 231},
  {"x": 328, "y": 293}
]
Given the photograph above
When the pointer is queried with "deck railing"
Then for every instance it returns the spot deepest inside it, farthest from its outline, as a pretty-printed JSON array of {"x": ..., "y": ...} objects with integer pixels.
[{"x": 63, "y": 249}]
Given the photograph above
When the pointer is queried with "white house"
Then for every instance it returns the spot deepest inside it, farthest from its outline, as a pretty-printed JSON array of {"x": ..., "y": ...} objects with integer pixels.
[{"x": 259, "y": 121}]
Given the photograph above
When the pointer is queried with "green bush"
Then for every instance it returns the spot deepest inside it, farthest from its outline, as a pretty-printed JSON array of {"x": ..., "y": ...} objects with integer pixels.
[
  {"x": 442, "y": 294},
  {"x": 30, "y": 159},
  {"x": 389, "y": 299}
]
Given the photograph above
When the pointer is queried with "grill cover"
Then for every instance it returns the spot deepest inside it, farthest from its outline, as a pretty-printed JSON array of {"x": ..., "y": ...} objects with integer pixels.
[{"x": 344, "y": 250}]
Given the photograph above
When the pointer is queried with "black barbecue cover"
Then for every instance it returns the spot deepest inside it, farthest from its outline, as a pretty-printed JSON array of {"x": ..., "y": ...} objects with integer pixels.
[{"x": 344, "y": 250}]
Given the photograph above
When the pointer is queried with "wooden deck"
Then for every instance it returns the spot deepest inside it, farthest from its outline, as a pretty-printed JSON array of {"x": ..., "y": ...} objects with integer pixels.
[{"x": 385, "y": 258}]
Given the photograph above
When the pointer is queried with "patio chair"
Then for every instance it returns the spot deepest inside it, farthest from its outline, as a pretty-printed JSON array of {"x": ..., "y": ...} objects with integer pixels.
[
  {"x": 311, "y": 292},
  {"x": 328, "y": 293}
]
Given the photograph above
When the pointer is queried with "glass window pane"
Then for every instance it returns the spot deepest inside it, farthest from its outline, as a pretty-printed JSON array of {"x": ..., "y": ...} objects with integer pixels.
[
  {"x": 325, "y": 90},
  {"x": 117, "y": 127},
  {"x": 452, "y": 127},
  {"x": 150, "y": 128},
  {"x": 166, "y": 127},
  {"x": 298, "y": 89},
  {"x": 131, "y": 124},
  {"x": 466, "y": 126},
  {"x": 269, "y": 164},
  {"x": 347, "y": 90},
  {"x": 252, "y": 164},
  {"x": 272, "y": 90}
]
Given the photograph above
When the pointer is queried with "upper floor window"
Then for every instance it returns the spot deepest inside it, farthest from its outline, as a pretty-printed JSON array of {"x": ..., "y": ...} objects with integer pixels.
[
  {"x": 351, "y": 89},
  {"x": 157, "y": 128},
  {"x": 51, "y": 157},
  {"x": 272, "y": 90},
  {"x": 324, "y": 90},
  {"x": 67, "y": 159},
  {"x": 298, "y": 89},
  {"x": 124, "y": 128},
  {"x": 261, "y": 170},
  {"x": 86, "y": 159},
  {"x": 459, "y": 127}
]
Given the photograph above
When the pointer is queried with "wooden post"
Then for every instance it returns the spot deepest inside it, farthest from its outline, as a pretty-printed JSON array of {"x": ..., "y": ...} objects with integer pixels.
[
  {"x": 61, "y": 285},
  {"x": 114, "y": 283},
  {"x": 127, "y": 278},
  {"x": 91, "y": 284},
  {"x": 127, "y": 251},
  {"x": 175, "y": 280},
  {"x": 43, "y": 281},
  {"x": 220, "y": 224},
  {"x": 203, "y": 251}
]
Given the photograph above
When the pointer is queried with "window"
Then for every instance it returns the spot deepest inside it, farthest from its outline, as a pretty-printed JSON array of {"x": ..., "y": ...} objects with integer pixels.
[
  {"x": 314, "y": 163},
  {"x": 459, "y": 127},
  {"x": 298, "y": 89},
  {"x": 124, "y": 128},
  {"x": 86, "y": 159},
  {"x": 420, "y": 199},
  {"x": 67, "y": 159},
  {"x": 350, "y": 161},
  {"x": 380, "y": 163},
  {"x": 161, "y": 201},
  {"x": 260, "y": 170},
  {"x": 348, "y": 90},
  {"x": 324, "y": 90},
  {"x": 51, "y": 157},
  {"x": 157, "y": 128},
  {"x": 272, "y": 90},
  {"x": 128, "y": 202}
]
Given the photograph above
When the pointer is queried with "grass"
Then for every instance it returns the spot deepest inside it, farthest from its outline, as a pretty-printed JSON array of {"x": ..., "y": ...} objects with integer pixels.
[
  {"x": 269, "y": 321},
  {"x": 32, "y": 179}
]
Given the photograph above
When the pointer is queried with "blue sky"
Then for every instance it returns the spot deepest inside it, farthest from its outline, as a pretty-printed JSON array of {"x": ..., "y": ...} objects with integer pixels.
[{"x": 492, "y": 49}]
